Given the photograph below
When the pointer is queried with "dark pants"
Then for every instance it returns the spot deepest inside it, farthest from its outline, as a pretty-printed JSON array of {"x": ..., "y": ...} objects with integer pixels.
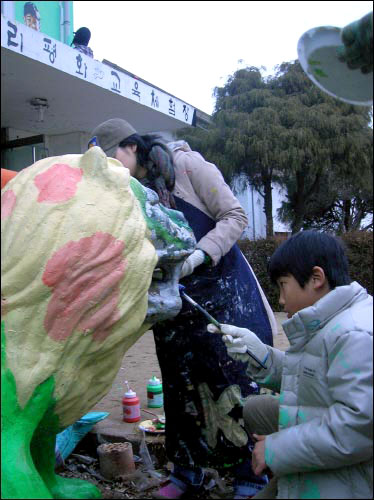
[{"x": 260, "y": 415}]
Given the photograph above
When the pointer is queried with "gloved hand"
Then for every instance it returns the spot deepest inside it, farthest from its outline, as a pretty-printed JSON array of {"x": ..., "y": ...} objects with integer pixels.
[
  {"x": 238, "y": 340},
  {"x": 195, "y": 259},
  {"x": 357, "y": 51}
]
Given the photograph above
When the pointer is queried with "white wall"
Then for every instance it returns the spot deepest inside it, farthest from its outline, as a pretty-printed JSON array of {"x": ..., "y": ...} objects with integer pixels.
[
  {"x": 22, "y": 156},
  {"x": 278, "y": 195},
  {"x": 253, "y": 205},
  {"x": 14, "y": 133},
  {"x": 73, "y": 143},
  {"x": 62, "y": 144}
]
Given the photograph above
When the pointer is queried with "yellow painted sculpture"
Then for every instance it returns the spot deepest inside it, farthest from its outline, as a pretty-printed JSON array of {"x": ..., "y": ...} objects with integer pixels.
[{"x": 80, "y": 242}]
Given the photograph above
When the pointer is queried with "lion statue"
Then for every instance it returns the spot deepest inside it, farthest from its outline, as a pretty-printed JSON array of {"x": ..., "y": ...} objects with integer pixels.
[{"x": 80, "y": 241}]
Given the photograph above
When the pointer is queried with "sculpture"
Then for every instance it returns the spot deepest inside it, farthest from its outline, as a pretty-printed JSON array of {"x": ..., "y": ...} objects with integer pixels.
[{"x": 80, "y": 242}]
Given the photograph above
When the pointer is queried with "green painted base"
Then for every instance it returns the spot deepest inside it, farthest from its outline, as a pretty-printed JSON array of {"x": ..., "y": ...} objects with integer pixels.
[
  {"x": 28, "y": 443},
  {"x": 74, "y": 488}
]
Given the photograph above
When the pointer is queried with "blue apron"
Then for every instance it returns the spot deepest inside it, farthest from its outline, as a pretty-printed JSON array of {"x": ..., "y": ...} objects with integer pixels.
[{"x": 189, "y": 355}]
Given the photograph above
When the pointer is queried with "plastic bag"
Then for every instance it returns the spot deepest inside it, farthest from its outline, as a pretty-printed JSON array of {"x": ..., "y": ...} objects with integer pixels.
[
  {"x": 68, "y": 439},
  {"x": 147, "y": 460}
]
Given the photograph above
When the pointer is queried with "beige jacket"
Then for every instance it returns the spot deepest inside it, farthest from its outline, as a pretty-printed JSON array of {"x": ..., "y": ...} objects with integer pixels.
[{"x": 201, "y": 184}]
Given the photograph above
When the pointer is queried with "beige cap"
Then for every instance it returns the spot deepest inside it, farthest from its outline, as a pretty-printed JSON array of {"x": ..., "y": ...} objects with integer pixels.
[{"x": 109, "y": 134}]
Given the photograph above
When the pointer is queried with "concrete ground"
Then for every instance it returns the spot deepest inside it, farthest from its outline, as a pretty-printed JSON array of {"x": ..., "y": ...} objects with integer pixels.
[{"x": 138, "y": 366}]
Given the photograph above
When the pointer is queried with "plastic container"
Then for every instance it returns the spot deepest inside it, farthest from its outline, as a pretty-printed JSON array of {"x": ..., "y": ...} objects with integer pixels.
[
  {"x": 317, "y": 53},
  {"x": 155, "y": 397},
  {"x": 131, "y": 407}
]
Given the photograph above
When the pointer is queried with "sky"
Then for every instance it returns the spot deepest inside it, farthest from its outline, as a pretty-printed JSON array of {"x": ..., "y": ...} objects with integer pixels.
[{"x": 188, "y": 48}]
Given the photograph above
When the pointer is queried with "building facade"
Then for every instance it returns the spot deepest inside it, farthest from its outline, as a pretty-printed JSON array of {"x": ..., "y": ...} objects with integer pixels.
[{"x": 53, "y": 95}]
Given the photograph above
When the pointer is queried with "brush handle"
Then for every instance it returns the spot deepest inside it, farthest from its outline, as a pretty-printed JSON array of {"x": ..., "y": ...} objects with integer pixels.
[
  {"x": 214, "y": 321},
  {"x": 201, "y": 309},
  {"x": 208, "y": 316},
  {"x": 256, "y": 359}
]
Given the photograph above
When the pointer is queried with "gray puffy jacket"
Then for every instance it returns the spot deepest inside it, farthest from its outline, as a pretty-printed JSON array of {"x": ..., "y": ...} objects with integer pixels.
[{"x": 324, "y": 446}]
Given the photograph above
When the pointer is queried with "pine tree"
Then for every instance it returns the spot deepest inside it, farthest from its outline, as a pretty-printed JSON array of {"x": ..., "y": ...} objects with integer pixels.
[{"x": 284, "y": 129}]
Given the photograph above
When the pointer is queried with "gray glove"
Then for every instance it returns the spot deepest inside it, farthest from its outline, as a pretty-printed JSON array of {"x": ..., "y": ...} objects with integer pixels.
[
  {"x": 238, "y": 340},
  {"x": 195, "y": 259}
]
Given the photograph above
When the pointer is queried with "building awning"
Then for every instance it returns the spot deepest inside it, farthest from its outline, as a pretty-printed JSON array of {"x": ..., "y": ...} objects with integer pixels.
[{"x": 80, "y": 91}]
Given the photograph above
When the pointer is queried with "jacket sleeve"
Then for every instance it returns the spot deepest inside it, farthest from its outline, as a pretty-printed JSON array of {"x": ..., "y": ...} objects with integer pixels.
[
  {"x": 343, "y": 434},
  {"x": 209, "y": 185},
  {"x": 271, "y": 377}
]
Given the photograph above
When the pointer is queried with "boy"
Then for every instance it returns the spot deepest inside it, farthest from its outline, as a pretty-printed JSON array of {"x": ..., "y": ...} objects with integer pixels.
[{"x": 316, "y": 438}]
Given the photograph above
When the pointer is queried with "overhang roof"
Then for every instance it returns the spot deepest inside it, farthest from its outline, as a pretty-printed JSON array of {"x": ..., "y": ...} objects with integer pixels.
[{"x": 75, "y": 103}]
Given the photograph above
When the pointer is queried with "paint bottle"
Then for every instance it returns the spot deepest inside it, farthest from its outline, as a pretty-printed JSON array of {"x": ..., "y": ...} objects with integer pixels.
[
  {"x": 131, "y": 407},
  {"x": 155, "y": 397}
]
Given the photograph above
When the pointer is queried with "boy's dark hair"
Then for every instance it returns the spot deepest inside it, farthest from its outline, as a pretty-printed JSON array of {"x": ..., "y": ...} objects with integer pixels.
[{"x": 306, "y": 249}]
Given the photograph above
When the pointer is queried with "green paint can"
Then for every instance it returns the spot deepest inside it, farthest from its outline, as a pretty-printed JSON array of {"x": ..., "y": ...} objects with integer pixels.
[{"x": 155, "y": 397}]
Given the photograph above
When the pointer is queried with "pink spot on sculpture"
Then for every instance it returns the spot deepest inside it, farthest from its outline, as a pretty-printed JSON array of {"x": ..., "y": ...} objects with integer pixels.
[
  {"x": 58, "y": 183},
  {"x": 84, "y": 276},
  {"x": 8, "y": 201}
]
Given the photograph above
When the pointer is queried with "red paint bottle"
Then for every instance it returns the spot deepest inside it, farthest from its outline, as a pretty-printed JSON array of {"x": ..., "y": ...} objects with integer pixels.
[{"x": 131, "y": 407}]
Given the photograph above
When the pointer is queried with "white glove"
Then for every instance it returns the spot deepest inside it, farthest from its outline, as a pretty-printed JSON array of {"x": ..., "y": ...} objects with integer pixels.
[
  {"x": 238, "y": 340},
  {"x": 195, "y": 259}
]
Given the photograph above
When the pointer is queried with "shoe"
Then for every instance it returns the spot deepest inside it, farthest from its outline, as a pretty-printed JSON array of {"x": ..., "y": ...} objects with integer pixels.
[{"x": 169, "y": 491}]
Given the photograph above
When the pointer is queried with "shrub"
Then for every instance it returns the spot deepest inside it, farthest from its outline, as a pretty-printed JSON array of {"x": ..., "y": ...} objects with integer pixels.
[
  {"x": 359, "y": 249},
  {"x": 258, "y": 253}
]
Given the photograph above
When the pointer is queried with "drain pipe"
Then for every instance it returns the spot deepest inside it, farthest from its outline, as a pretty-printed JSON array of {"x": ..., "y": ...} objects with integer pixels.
[
  {"x": 61, "y": 22},
  {"x": 66, "y": 21},
  {"x": 8, "y": 10},
  {"x": 253, "y": 215}
]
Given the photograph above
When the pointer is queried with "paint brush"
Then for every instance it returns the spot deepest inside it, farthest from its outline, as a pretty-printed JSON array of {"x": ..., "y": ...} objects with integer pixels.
[
  {"x": 197, "y": 306},
  {"x": 212, "y": 320}
]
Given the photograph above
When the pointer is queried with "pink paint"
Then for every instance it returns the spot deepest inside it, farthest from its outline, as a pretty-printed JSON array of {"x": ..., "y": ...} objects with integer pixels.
[
  {"x": 58, "y": 183},
  {"x": 8, "y": 201},
  {"x": 85, "y": 277}
]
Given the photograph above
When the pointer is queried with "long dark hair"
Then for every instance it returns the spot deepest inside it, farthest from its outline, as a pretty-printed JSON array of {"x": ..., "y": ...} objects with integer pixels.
[{"x": 153, "y": 154}]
